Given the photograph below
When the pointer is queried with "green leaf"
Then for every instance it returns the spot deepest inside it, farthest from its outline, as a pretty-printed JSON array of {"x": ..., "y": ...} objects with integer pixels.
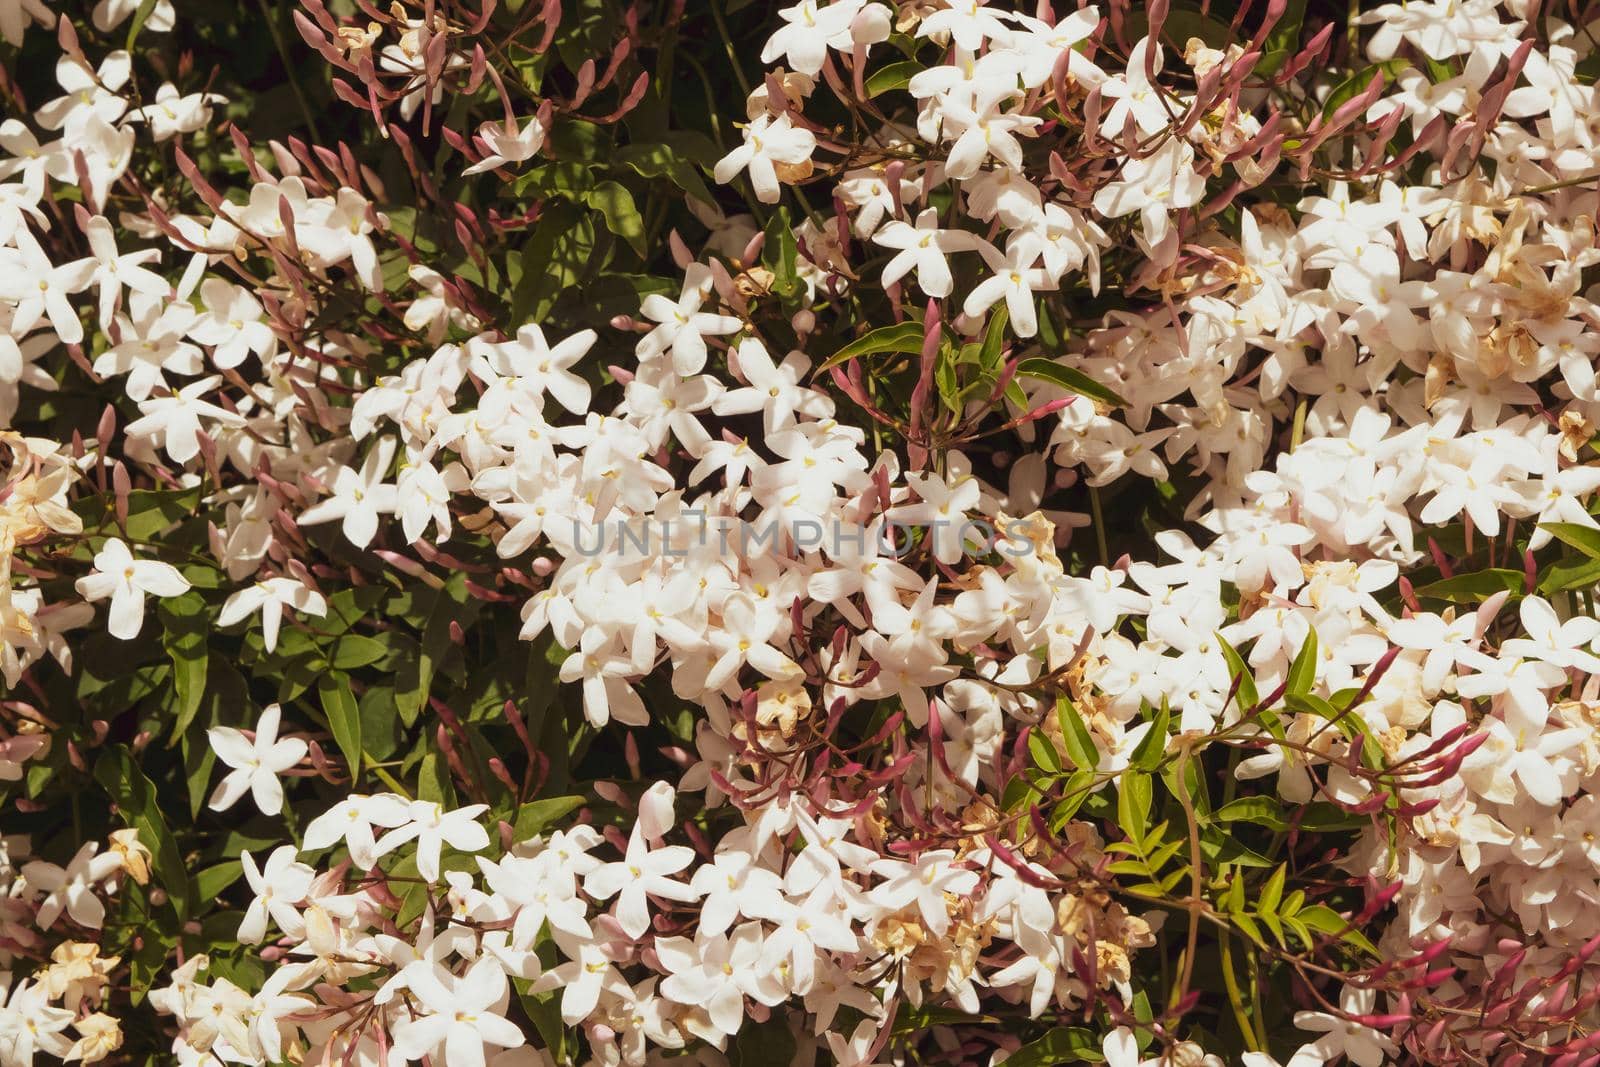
[
  {"x": 1325, "y": 920},
  {"x": 1272, "y": 892},
  {"x": 380, "y": 722},
  {"x": 145, "y": 965},
  {"x": 344, "y": 718},
  {"x": 916, "y": 1020},
  {"x": 1477, "y": 586},
  {"x": 1063, "y": 1044},
  {"x": 573, "y": 138},
  {"x": 1220, "y": 849},
  {"x": 1270, "y": 918},
  {"x": 1186, "y": 22},
  {"x": 1284, "y": 39},
  {"x": 153, "y": 511},
  {"x": 1348, "y": 722},
  {"x": 118, "y": 773},
  {"x": 210, "y": 883},
  {"x": 357, "y": 651},
  {"x": 614, "y": 202},
  {"x": 544, "y": 1009},
  {"x": 1163, "y": 855},
  {"x": 560, "y": 249},
  {"x": 1073, "y": 796},
  {"x": 901, "y": 337},
  {"x": 1303, "y": 671},
  {"x": 414, "y": 681},
  {"x": 1577, "y": 573},
  {"x": 1044, "y": 753},
  {"x": 532, "y": 818},
  {"x": 1016, "y": 397},
  {"x": 1019, "y": 794},
  {"x": 185, "y": 627},
  {"x": 1249, "y": 697},
  {"x": 1070, "y": 379},
  {"x": 781, "y": 254},
  {"x": 349, "y": 606},
  {"x": 1150, "y": 750},
  {"x": 567, "y": 178},
  {"x": 354, "y": 651},
  {"x": 1248, "y": 925},
  {"x": 1587, "y": 69},
  {"x": 433, "y": 781},
  {"x": 1075, "y": 735},
  {"x": 140, "y": 17},
  {"x": 1357, "y": 83},
  {"x": 1128, "y": 868},
  {"x": 994, "y": 338},
  {"x": 1233, "y": 897},
  {"x": 765, "y": 1044},
  {"x": 666, "y": 160},
  {"x": 1262, "y": 811},
  {"x": 894, "y": 76},
  {"x": 1315, "y": 705},
  {"x": 1135, "y": 794},
  {"x": 1585, "y": 539},
  {"x": 948, "y": 379},
  {"x": 199, "y": 759},
  {"x": 1438, "y": 71}
]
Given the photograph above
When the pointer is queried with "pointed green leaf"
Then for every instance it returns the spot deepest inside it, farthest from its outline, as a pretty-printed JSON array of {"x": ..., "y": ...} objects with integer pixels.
[
  {"x": 1070, "y": 379},
  {"x": 1303, "y": 671},
  {"x": 118, "y": 773},
  {"x": 616, "y": 205},
  {"x": 1262, "y": 811},
  {"x": 903, "y": 337},
  {"x": 1477, "y": 586},
  {"x": 1272, "y": 892},
  {"x": 354, "y": 650},
  {"x": 894, "y": 76},
  {"x": 1585, "y": 539},
  {"x": 994, "y": 338},
  {"x": 1135, "y": 794},
  {"x": 1064, "y": 1044},
  {"x": 781, "y": 254},
  {"x": 1076, "y": 736},
  {"x": 532, "y": 818},
  {"x": 1044, "y": 753},
  {"x": 1249, "y": 697},
  {"x": 1150, "y": 750},
  {"x": 1357, "y": 83},
  {"x": 185, "y": 627},
  {"x": 1325, "y": 920},
  {"x": 344, "y": 718}
]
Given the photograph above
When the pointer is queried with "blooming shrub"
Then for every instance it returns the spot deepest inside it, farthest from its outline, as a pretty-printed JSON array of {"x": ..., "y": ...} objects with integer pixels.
[{"x": 597, "y": 533}]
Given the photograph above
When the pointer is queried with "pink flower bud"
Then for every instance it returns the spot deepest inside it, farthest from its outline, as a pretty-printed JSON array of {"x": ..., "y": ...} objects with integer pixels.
[{"x": 656, "y": 810}]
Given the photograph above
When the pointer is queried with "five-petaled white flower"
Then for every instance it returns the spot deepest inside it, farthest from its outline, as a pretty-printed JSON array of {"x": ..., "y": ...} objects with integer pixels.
[
  {"x": 642, "y": 873},
  {"x": 279, "y": 885},
  {"x": 126, "y": 581},
  {"x": 768, "y": 144},
  {"x": 432, "y": 828},
  {"x": 256, "y": 762},
  {"x": 271, "y": 597},
  {"x": 464, "y": 1014}
]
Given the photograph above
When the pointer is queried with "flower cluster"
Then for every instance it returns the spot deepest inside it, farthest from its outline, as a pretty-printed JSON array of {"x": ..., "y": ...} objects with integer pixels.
[
  {"x": 59, "y": 1009},
  {"x": 1097, "y": 564}
]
